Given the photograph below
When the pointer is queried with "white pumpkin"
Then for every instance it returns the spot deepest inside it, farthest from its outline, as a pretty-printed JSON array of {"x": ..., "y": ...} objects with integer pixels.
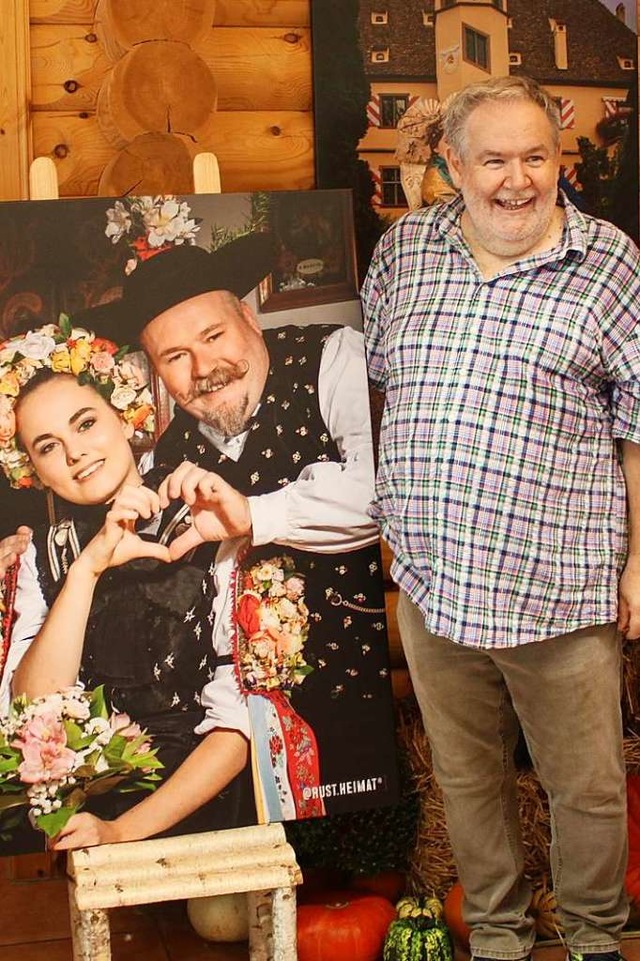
[{"x": 223, "y": 917}]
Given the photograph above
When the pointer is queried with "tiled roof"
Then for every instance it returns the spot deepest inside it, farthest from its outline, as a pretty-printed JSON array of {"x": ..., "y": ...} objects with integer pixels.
[{"x": 595, "y": 41}]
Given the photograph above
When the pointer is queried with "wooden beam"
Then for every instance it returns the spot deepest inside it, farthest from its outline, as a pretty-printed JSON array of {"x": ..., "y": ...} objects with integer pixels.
[
  {"x": 255, "y": 68},
  {"x": 15, "y": 98},
  {"x": 256, "y": 150}
]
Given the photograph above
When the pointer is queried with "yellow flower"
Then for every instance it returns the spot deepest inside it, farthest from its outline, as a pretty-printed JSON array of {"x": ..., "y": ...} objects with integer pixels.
[
  {"x": 61, "y": 361},
  {"x": 10, "y": 384},
  {"x": 80, "y": 353}
]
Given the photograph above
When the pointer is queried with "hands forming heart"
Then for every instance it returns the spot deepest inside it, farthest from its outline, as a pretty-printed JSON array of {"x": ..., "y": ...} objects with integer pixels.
[{"x": 218, "y": 511}]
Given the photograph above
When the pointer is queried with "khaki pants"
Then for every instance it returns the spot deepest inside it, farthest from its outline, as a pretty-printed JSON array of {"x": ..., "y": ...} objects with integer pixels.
[{"x": 565, "y": 692}]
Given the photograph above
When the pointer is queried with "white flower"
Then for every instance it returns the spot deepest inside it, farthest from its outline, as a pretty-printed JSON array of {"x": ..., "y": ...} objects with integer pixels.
[
  {"x": 167, "y": 222},
  {"x": 118, "y": 222},
  {"x": 132, "y": 375},
  {"x": 122, "y": 397},
  {"x": 35, "y": 345}
]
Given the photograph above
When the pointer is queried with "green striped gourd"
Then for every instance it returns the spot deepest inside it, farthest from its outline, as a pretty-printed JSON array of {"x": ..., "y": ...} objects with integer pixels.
[{"x": 418, "y": 939}]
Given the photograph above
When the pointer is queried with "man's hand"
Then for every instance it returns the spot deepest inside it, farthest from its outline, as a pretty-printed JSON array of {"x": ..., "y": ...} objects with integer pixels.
[
  {"x": 629, "y": 599},
  {"x": 11, "y": 547},
  {"x": 117, "y": 541},
  {"x": 218, "y": 511}
]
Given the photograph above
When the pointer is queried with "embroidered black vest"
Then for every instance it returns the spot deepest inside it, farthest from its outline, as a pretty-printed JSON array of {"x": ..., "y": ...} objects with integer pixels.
[{"x": 346, "y": 698}]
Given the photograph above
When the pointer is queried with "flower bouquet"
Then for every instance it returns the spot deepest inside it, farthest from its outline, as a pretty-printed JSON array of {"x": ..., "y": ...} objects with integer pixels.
[
  {"x": 58, "y": 750},
  {"x": 273, "y": 623}
]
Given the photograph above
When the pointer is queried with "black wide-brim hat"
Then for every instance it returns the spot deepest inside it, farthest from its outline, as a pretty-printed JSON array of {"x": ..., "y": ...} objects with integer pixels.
[{"x": 180, "y": 273}]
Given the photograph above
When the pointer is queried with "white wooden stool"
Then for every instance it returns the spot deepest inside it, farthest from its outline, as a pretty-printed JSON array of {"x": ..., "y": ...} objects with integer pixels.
[{"x": 257, "y": 860}]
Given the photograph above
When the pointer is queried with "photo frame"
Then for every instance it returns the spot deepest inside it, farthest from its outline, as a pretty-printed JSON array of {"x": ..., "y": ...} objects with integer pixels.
[
  {"x": 316, "y": 252},
  {"x": 309, "y": 688}
]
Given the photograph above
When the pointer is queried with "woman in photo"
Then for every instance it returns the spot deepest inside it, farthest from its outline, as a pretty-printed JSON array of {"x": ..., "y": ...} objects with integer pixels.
[{"x": 98, "y": 600}]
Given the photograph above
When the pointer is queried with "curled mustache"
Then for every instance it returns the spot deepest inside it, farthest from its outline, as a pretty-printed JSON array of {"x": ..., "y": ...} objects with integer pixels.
[{"x": 220, "y": 376}]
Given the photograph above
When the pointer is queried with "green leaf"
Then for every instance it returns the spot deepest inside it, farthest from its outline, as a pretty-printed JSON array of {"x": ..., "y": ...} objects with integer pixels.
[
  {"x": 98, "y": 704},
  {"x": 53, "y": 823},
  {"x": 74, "y": 734},
  {"x": 122, "y": 353},
  {"x": 64, "y": 323}
]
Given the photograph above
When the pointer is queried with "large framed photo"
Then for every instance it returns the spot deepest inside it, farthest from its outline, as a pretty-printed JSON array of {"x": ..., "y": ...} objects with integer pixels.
[{"x": 272, "y": 634}]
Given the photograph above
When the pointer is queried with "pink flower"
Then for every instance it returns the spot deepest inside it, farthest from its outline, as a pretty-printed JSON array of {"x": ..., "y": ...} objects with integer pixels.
[
  {"x": 44, "y": 728},
  {"x": 294, "y": 587},
  {"x": 102, "y": 362},
  {"x": 43, "y": 743},
  {"x": 123, "y": 725},
  {"x": 7, "y": 421},
  {"x": 45, "y": 761}
]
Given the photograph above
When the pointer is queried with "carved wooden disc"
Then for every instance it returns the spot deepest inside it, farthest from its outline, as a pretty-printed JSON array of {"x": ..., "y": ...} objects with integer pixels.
[
  {"x": 158, "y": 87},
  {"x": 153, "y": 163},
  {"x": 130, "y": 23}
]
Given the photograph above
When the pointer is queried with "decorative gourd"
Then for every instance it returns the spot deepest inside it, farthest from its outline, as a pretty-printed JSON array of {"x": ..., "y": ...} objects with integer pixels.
[
  {"x": 346, "y": 926},
  {"x": 544, "y": 910},
  {"x": 460, "y": 930},
  {"x": 418, "y": 939},
  {"x": 221, "y": 917},
  {"x": 419, "y": 908}
]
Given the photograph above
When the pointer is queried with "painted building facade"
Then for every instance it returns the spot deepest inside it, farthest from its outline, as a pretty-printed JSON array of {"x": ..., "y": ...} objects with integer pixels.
[{"x": 584, "y": 54}]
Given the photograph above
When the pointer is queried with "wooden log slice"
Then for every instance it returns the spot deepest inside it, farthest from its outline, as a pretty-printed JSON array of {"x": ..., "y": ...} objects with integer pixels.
[
  {"x": 153, "y": 163},
  {"x": 131, "y": 23},
  {"x": 158, "y": 87}
]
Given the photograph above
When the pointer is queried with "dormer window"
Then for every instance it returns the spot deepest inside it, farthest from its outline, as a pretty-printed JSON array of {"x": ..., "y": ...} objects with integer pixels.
[
  {"x": 379, "y": 17},
  {"x": 515, "y": 59},
  {"x": 427, "y": 19},
  {"x": 626, "y": 63},
  {"x": 380, "y": 55}
]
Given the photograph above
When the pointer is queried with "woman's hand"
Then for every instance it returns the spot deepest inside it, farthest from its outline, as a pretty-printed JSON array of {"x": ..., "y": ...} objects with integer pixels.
[
  {"x": 118, "y": 542},
  {"x": 12, "y": 546},
  {"x": 84, "y": 831}
]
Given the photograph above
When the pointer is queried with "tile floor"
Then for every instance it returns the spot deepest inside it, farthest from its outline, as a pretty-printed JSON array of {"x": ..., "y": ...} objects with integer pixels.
[{"x": 34, "y": 924}]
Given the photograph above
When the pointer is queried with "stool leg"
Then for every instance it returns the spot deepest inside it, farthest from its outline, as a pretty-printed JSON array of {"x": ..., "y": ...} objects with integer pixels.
[
  {"x": 89, "y": 932},
  {"x": 260, "y": 925},
  {"x": 285, "y": 946}
]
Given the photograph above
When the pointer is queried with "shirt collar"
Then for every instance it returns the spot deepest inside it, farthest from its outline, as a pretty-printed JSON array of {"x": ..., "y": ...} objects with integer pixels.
[{"x": 573, "y": 244}]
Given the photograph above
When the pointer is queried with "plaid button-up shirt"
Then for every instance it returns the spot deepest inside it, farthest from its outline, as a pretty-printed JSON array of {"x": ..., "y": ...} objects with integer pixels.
[{"x": 499, "y": 488}]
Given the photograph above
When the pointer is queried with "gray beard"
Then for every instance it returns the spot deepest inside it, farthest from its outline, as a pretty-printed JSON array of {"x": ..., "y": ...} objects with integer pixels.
[{"x": 228, "y": 421}]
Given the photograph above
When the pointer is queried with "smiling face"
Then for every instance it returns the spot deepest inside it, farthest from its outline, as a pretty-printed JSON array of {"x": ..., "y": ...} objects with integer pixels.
[
  {"x": 508, "y": 175},
  {"x": 77, "y": 443},
  {"x": 211, "y": 357}
]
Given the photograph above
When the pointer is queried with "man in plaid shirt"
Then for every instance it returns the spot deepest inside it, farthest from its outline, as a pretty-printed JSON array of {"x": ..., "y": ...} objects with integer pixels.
[{"x": 502, "y": 328}]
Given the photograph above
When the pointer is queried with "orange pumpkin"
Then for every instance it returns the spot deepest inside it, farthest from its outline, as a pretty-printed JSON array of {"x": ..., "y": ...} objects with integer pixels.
[
  {"x": 459, "y": 930},
  {"x": 632, "y": 879},
  {"x": 386, "y": 884},
  {"x": 345, "y": 926}
]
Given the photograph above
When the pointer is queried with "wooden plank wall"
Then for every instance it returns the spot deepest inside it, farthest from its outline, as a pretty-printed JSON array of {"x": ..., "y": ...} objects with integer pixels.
[
  {"x": 54, "y": 56},
  {"x": 259, "y": 52}
]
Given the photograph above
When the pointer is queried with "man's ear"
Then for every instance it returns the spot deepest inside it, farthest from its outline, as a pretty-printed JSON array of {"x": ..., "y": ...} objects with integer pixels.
[
  {"x": 454, "y": 164},
  {"x": 250, "y": 317}
]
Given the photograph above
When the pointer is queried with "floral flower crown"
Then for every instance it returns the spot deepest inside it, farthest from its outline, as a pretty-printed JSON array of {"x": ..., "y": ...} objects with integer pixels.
[{"x": 65, "y": 349}]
